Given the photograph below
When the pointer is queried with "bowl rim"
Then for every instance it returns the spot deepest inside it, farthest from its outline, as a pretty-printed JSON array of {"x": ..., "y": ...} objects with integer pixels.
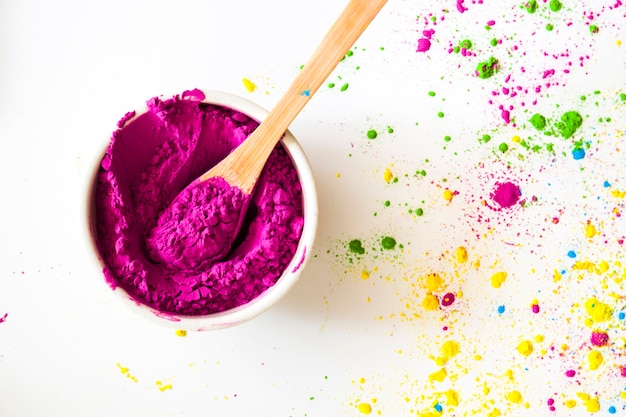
[{"x": 269, "y": 297}]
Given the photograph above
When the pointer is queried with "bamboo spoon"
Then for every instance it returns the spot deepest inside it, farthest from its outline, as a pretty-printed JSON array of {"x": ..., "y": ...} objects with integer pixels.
[{"x": 242, "y": 167}]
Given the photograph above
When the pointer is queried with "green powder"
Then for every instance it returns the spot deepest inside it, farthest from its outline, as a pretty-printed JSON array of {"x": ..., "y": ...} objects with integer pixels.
[
  {"x": 538, "y": 121},
  {"x": 570, "y": 122},
  {"x": 486, "y": 138},
  {"x": 331, "y": 85},
  {"x": 356, "y": 246},
  {"x": 440, "y": 114},
  {"x": 387, "y": 203},
  {"x": 531, "y": 6},
  {"x": 431, "y": 93},
  {"x": 372, "y": 134},
  {"x": 447, "y": 138},
  {"x": 594, "y": 29},
  {"x": 466, "y": 44},
  {"x": 487, "y": 68},
  {"x": 549, "y": 27},
  {"x": 419, "y": 211},
  {"x": 503, "y": 147},
  {"x": 623, "y": 96},
  {"x": 555, "y": 5},
  {"x": 389, "y": 129},
  {"x": 344, "y": 87},
  {"x": 494, "y": 42},
  {"x": 388, "y": 243}
]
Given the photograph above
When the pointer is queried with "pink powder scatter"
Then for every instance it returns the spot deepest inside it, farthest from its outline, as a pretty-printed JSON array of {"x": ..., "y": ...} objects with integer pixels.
[
  {"x": 4, "y": 318},
  {"x": 460, "y": 7},
  {"x": 535, "y": 308},
  {"x": 506, "y": 194},
  {"x": 599, "y": 338},
  {"x": 423, "y": 45},
  {"x": 447, "y": 299},
  {"x": 570, "y": 373},
  {"x": 623, "y": 371}
]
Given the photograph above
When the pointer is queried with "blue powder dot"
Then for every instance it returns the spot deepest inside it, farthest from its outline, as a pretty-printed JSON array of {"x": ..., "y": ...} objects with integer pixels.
[
  {"x": 563, "y": 272},
  {"x": 621, "y": 315},
  {"x": 571, "y": 254},
  {"x": 578, "y": 153},
  {"x": 500, "y": 309},
  {"x": 612, "y": 410},
  {"x": 606, "y": 184},
  {"x": 438, "y": 408}
]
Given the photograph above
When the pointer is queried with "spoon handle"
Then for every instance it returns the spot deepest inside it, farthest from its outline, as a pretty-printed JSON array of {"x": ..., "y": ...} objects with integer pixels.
[{"x": 243, "y": 171}]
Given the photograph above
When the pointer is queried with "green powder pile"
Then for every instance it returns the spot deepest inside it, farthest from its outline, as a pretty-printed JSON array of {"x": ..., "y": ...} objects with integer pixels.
[
  {"x": 531, "y": 6},
  {"x": 388, "y": 243},
  {"x": 555, "y": 5},
  {"x": 372, "y": 134},
  {"x": 570, "y": 122},
  {"x": 356, "y": 246},
  {"x": 538, "y": 121},
  {"x": 487, "y": 68}
]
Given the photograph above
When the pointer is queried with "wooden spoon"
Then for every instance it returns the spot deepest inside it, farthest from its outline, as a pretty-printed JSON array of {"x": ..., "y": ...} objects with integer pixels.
[{"x": 241, "y": 168}]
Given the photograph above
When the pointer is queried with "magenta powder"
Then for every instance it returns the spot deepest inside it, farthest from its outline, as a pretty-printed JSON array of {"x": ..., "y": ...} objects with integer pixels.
[
  {"x": 599, "y": 339},
  {"x": 149, "y": 161},
  {"x": 506, "y": 194}
]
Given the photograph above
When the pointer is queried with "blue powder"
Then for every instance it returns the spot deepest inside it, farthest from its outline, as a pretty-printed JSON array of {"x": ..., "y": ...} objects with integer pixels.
[
  {"x": 621, "y": 315},
  {"x": 606, "y": 184},
  {"x": 578, "y": 153},
  {"x": 438, "y": 408},
  {"x": 612, "y": 409},
  {"x": 500, "y": 309},
  {"x": 571, "y": 254}
]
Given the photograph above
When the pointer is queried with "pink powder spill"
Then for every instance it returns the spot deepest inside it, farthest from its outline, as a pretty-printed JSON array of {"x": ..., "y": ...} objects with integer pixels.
[
  {"x": 423, "y": 45},
  {"x": 535, "y": 308},
  {"x": 570, "y": 373},
  {"x": 599, "y": 339},
  {"x": 506, "y": 194},
  {"x": 4, "y": 318},
  {"x": 147, "y": 164},
  {"x": 460, "y": 7},
  {"x": 448, "y": 299}
]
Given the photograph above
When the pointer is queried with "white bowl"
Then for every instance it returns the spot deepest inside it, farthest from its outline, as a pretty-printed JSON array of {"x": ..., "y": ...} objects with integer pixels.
[{"x": 269, "y": 297}]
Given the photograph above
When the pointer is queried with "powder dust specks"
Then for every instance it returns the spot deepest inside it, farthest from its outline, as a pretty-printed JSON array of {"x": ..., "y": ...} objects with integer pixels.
[{"x": 4, "y": 317}]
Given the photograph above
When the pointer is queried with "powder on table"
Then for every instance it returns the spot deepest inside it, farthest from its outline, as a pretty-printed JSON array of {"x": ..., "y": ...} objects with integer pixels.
[
  {"x": 147, "y": 164},
  {"x": 506, "y": 194}
]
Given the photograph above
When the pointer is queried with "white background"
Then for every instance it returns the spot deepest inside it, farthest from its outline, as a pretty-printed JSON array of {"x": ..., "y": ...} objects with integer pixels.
[{"x": 70, "y": 69}]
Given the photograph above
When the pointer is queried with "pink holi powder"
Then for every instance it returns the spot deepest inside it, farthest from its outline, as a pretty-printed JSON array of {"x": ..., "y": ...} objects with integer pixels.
[
  {"x": 4, "y": 318},
  {"x": 570, "y": 373},
  {"x": 448, "y": 299},
  {"x": 460, "y": 7},
  {"x": 506, "y": 194},
  {"x": 147, "y": 164},
  {"x": 423, "y": 45},
  {"x": 599, "y": 339}
]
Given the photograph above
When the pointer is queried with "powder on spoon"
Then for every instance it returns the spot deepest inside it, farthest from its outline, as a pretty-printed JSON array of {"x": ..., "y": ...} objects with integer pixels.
[{"x": 150, "y": 159}]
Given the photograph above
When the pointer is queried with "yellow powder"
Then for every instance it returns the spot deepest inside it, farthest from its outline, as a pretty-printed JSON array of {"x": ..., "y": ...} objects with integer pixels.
[
  {"x": 162, "y": 387},
  {"x": 387, "y": 175},
  {"x": 494, "y": 413},
  {"x": 525, "y": 348},
  {"x": 433, "y": 282},
  {"x": 618, "y": 194},
  {"x": 250, "y": 86},
  {"x": 448, "y": 194},
  {"x": 365, "y": 274},
  {"x": 556, "y": 276},
  {"x": 590, "y": 231},
  {"x": 181, "y": 333},
  {"x": 593, "y": 405},
  {"x": 438, "y": 376},
  {"x": 498, "y": 279},
  {"x": 595, "y": 359},
  {"x": 539, "y": 338},
  {"x": 452, "y": 398},
  {"x": 570, "y": 403},
  {"x": 598, "y": 312},
  {"x": 450, "y": 348},
  {"x": 430, "y": 302},
  {"x": 516, "y": 139},
  {"x": 514, "y": 396},
  {"x": 365, "y": 408},
  {"x": 461, "y": 254}
]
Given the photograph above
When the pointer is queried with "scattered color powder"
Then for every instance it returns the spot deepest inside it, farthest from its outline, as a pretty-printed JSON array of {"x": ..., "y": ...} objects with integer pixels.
[
  {"x": 555, "y": 5},
  {"x": 503, "y": 147},
  {"x": 599, "y": 338},
  {"x": 498, "y": 279},
  {"x": 344, "y": 87},
  {"x": 249, "y": 85},
  {"x": 506, "y": 194},
  {"x": 571, "y": 254},
  {"x": 535, "y": 306},
  {"x": 578, "y": 153},
  {"x": 372, "y": 134},
  {"x": 447, "y": 299},
  {"x": 388, "y": 243},
  {"x": 466, "y": 44},
  {"x": 594, "y": 29},
  {"x": 494, "y": 42},
  {"x": 485, "y": 138},
  {"x": 549, "y": 27},
  {"x": 419, "y": 212},
  {"x": 4, "y": 318},
  {"x": 356, "y": 246},
  {"x": 538, "y": 121},
  {"x": 501, "y": 309},
  {"x": 570, "y": 373},
  {"x": 461, "y": 254},
  {"x": 487, "y": 68},
  {"x": 531, "y": 6},
  {"x": 440, "y": 114},
  {"x": 181, "y": 333},
  {"x": 525, "y": 348},
  {"x": 595, "y": 359},
  {"x": 569, "y": 123},
  {"x": 365, "y": 408},
  {"x": 423, "y": 45},
  {"x": 163, "y": 387}
]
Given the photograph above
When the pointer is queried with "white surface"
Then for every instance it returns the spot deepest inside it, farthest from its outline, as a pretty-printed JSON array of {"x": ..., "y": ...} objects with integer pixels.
[{"x": 69, "y": 70}]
